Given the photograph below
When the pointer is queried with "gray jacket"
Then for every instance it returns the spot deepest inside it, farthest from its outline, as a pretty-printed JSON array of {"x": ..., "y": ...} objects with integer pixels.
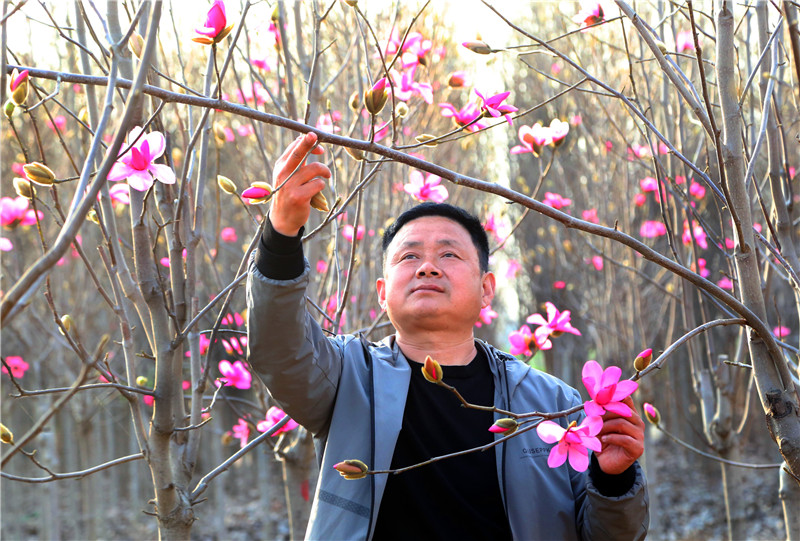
[{"x": 351, "y": 395}]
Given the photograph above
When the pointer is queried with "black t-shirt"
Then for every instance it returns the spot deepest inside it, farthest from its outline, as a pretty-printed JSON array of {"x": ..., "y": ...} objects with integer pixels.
[{"x": 455, "y": 498}]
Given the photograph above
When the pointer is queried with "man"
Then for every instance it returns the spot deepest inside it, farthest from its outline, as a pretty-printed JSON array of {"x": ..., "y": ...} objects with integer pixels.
[{"x": 369, "y": 401}]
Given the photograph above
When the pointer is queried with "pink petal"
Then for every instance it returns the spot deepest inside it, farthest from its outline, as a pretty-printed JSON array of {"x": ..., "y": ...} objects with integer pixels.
[
  {"x": 578, "y": 458},
  {"x": 610, "y": 376},
  {"x": 156, "y": 143},
  {"x": 592, "y": 425},
  {"x": 619, "y": 408},
  {"x": 140, "y": 180},
  {"x": 550, "y": 432},
  {"x": 593, "y": 370},
  {"x": 557, "y": 456},
  {"x": 625, "y": 388},
  {"x": 552, "y": 311},
  {"x": 162, "y": 172},
  {"x": 593, "y": 408},
  {"x": 536, "y": 319},
  {"x": 120, "y": 171}
]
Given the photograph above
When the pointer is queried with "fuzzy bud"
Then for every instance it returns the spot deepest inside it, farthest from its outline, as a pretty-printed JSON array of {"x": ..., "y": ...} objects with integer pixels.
[
  {"x": 432, "y": 370},
  {"x": 8, "y": 109},
  {"x": 355, "y": 153},
  {"x": 352, "y": 469},
  {"x": 504, "y": 426},
  {"x": 24, "y": 188},
  {"x": 227, "y": 438},
  {"x": 83, "y": 115},
  {"x": 651, "y": 413},
  {"x": 18, "y": 86},
  {"x": 39, "y": 173},
  {"x": 258, "y": 192},
  {"x": 319, "y": 202},
  {"x": 141, "y": 381},
  {"x": 642, "y": 360},
  {"x": 92, "y": 216},
  {"x": 425, "y": 139},
  {"x": 136, "y": 44},
  {"x": 375, "y": 98},
  {"x": 402, "y": 109},
  {"x": 354, "y": 102},
  {"x": 226, "y": 184},
  {"x": 5, "y": 435},
  {"x": 661, "y": 46},
  {"x": 219, "y": 134},
  {"x": 478, "y": 46},
  {"x": 67, "y": 322},
  {"x": 351, "y": 3}
]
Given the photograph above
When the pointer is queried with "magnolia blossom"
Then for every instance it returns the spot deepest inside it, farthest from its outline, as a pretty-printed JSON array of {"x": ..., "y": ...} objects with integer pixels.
[
  {"x": 405, "y": 86},
  {"x": 684, "y": 41},
  {"x": 697, "y": 231},
  {"x": 494, "y": 106},
  {"x": 457, "y": 79},
  {"x": 559, "y": 284},
  {"x": 701, "y": 267},
  {"x": 533, "y": 139},
  {"x": 697, "y": 190},
  {"x": 555, "y": 200},
  {"x": 59, "y": 122},
  {"x": 427, "y": 188},
  {"x": 555, "y": 324},
  {"x": 486, "y": 316},
  {"x": 725, "y": 283},
  {"x": 781, "y": 332},
  {"x": 573, "y": 441},
  {"x": 414, "y": 50},
  {"x": 274, "y": 416},
  {"x": 514, "y": 267},
  {"x": 591, "y": 13},
  {"x": 349, "y": 230},
  {"x": 606, "y": 390},
  {"x": 326, "y": 122},
  {"x": 14, "y": 211},
  {"x": 639, "y": 199},
  {"x": 467, "y": 116},
  {"x": 214, "y": 29},
  {"x": 652, "y": 228},
  {"x": 524, "y": 342},
  {"x": 597, "y": 262},
  {"x": 241, "y": 431},
  {"x": 228, "y": 234},
  {"x": 120, "y": 194},
  {"x": 17, "y": 366},
  {"x": 649, "y": 184},
  {"x": 137, "y": 164},
  {"x": 322, "y": 266},
  {"x": 496, "y": 226},
  {"x": 590, "y": 215},
  {"x": 236, "y": 374}
]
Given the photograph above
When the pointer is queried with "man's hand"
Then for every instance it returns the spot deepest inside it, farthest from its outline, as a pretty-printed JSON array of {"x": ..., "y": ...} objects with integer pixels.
[
  {"x": 291, "y": 205},
  {"x": 622, "y": 439}
]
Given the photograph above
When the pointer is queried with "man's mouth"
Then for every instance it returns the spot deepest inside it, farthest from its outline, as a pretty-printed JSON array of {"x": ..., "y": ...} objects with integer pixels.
[{"x": 428, "y": 287}]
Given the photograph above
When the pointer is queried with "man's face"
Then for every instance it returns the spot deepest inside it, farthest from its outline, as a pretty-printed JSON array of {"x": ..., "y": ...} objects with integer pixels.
[{"x": 432, "y": 278}]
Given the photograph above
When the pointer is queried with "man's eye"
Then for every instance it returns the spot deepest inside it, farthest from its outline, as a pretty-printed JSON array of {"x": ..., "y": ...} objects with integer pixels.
[{"x": 407, "y": 256}]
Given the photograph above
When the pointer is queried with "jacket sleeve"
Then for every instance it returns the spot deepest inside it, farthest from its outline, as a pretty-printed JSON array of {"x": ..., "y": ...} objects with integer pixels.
[
  {"x": 288, "y": 349},
  {"x": 616, "y": 518}
]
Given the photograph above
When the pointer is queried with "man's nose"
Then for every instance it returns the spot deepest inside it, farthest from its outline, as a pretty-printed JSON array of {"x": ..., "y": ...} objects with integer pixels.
[{"x": 427, "y": 268}]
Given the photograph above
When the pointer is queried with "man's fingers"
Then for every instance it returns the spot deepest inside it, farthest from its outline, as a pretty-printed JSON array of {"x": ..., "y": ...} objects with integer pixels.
[{"x": 298, "y": 151}]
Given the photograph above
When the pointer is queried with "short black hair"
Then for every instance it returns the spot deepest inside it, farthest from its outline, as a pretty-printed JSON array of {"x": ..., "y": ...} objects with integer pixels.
[{"x": 468, "y": 221}]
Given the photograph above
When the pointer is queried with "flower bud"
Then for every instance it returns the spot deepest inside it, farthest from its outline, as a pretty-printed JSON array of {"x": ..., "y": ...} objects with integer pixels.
[
  {"x": 661, "y": 46},
  {"x": 83, "y": 115},
  {"x": 479, "y": 47},
  {"x": 141, "y": 381},
  {"x": 354, "y": 102},
  {"x": 375, "y": 98},
  {"x": 8, "y": 109},
  {"x": 24, "y": 188},
  {"x": 402, "y": 109},
  {"x": 351, "y": 3},
  {"x": 319, "y": 202},
  {"x": 258, "y": 192},
  {"x": 432, "y": 370},
  {"x": 457, "y": 79},
  {"x": 227, "y": 438},
  {"x": 355, "y": 153},
  {"x": 18, "y": 86},
  {"x": 642, "y": 360},
  {"x": 39, "y": 173},
  {"x": 276, "y": 14},
  {"x": 226, "y": 184},
  {"x": 351, "y": 469},
  {"x": 92, "y": 216},
  {"x": 67, "y": 322},
  {"x": 136, "y": 44},
  {"x": 651, "y": 413},
  {"x": 504, "y": 426},
  {"x": 424, "y": 138},
  {"x": 5, "y": 435}
]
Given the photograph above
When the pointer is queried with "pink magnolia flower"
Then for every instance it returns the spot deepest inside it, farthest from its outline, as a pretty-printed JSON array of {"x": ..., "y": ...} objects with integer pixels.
[
  {"x": 326, "y": 122},
  {"x": 486, "y": 316},
  {"x": 573, "y": 441},
  {"x": 639, "y": 199},
  {"x": 649, "y": 184},
  {"x": 651, "y": 229},
  {"x": 414, "y": 50},
  {"x": 274, "y": 415},
  {"x": 558, "y": 131},
  {"x": 684, "y": 41},
  {"x": 236, "y": 374},
  {"x": 6, "y": 245},
  {"x": 405, "y": 86},
  {"x": 265, "y": 64},
  {"x": 59, "y": 122},
  {"x": 137, "y": 164},
  {"x": 701, "y": 264},
  {"x": 590, "y": 215},
  {"x": 425, "y": 189},
  {"x": 725, "y": 283},
  {"x": 494, "y": 106},
  {"x": 597, "y": 262},
  {"x": 496, "y": 226},
  {"x": 120, "y": 194},
  {"x": 555, "y": 200},
  {"x": 14, "y": 211},
  {"x": 20, "y": 78},
  {"x": 148, "y": 400},
  {"x": 241, "y": 431},
  {"x": 216, "y": 22},
  {"x": 698, "y": 232},
  {"x": 228, "y": 234},
  {"x": 245, "y": 130},
  {"x": 533, "y": 139},
  {"x": 466, "y": 116},
  {"x": 331, "y": 305},
  {"x": 591, "y": 13},
  {"x": 576, "y": 119},
  {"x": 555, "y": 324},
  {"x": 639, "y": 151},
  {"x": 322, "y": 266},
  {"x": 524, "y": 342},
  {"x": 697, "y": 190},
  {"x": 514, "y": 267},
  {"x": 606, "y": 390},
  {"x": 559, "y": 284},
  {"x": 16, "y": 365},
  {"x": 781, "y": 332},
  {"x": 458, "y": 79},
  {"x": 348, "y": 230}
]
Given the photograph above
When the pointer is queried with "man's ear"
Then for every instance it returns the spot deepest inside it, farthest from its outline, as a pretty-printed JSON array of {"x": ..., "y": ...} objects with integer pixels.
[
  {"x": 488, "y": 285},
  {"x": 380, "y": 285}
]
